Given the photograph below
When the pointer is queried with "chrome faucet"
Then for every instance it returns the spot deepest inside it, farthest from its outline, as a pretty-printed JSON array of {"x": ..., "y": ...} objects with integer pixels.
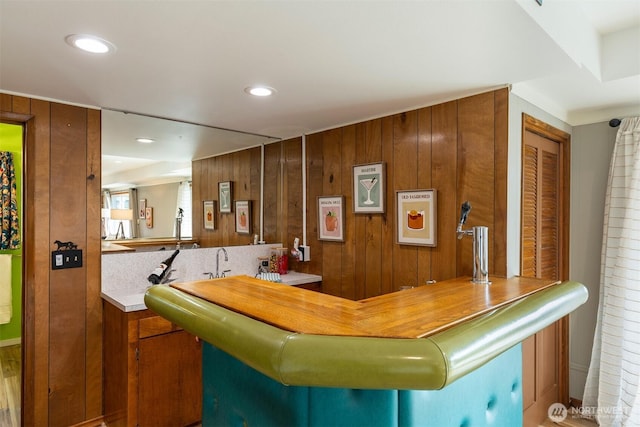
[
  {"x": 179, "y": 224},
  {"x": 464, "y": 212},
  {"x": 480, "y": 236},
  {"x": 226, "y": 258}
]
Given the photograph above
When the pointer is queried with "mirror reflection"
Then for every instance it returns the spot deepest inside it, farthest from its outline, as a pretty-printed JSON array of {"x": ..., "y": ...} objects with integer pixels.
[{"x": 146, "y": 172}]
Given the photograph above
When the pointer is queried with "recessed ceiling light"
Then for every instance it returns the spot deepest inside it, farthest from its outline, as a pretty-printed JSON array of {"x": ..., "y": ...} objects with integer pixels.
[
  {"x": 260, "y": 90},
  {"x": 90, "y": 43},
  {"x": 145, "y": 140}
]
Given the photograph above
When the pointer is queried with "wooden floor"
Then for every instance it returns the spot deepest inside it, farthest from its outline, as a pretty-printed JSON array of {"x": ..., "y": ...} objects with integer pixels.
[
  {"x": 570, "y": 421},
  {"x": 10, "y": 386}
]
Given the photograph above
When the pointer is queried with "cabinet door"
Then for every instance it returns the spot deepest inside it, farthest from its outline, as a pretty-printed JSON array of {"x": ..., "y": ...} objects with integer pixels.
[
  {"x": 169, "y": 380},
  {"x": 315, "y": 286}
]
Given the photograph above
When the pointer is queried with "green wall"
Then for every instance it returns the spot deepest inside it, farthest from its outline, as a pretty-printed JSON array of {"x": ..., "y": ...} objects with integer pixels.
[{"x": 11, "y": 140}]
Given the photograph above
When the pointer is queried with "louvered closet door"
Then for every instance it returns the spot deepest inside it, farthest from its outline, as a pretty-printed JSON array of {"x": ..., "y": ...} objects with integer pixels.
[
  {"x": 540, "y": 258},
  {"x": 540, "y": 208}
]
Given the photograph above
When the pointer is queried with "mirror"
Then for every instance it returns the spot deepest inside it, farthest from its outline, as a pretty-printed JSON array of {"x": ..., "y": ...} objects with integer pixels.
[{"x": 153, "y": 156}]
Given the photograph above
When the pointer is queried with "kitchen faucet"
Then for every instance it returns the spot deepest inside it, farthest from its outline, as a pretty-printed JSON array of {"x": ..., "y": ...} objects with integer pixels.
[{"x": 226, "y": 258}]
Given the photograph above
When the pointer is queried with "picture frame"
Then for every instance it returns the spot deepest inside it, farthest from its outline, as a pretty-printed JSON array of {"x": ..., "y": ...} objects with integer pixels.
[
  {"x": 148, "y": 213},
  {"x": 416, "y": 212},
  {"x": 225, "y": 196},
  {"x": 331, "y": 218},
  {"x": 142, "y": 209},
  {"x": 209, "y": 214},
  {"x": 369, "y": 188},
  {"x": 243, "y": 216}
]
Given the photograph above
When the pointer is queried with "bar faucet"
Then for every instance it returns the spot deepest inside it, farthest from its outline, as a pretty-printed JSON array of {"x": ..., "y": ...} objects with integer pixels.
[
  {"x": 226, "y": 258},
  {"x": 464, "y": 212},
  {"x": 179, "y": 218},
  {"x": 480, "y": 236}
]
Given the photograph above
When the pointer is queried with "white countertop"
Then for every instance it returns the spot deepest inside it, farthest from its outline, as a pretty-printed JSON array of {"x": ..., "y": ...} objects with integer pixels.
[
  {"x": 295, "y": 278},
  {"x": 125, "y": 299},
  {"x": 133, "y": 299}
]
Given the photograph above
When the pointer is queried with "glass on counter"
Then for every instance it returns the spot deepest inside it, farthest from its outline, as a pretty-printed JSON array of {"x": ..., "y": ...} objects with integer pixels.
[{"x": 279, "y": 260}]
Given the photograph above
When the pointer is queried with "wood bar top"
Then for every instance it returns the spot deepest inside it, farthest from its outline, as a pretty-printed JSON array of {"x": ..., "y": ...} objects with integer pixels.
[
  {"x": 110, "y": 247},
  {"x": 411, "y": 313},
  {"x": 130, "y": 245}
]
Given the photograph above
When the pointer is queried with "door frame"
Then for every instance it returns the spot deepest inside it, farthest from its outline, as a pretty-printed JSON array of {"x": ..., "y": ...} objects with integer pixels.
[
  {"x": 533, "y": 125},
  {"x": 27, "y": 341}
]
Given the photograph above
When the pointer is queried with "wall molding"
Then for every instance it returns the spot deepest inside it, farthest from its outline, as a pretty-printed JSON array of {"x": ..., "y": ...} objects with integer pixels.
[{"x": 10, "y": 342}]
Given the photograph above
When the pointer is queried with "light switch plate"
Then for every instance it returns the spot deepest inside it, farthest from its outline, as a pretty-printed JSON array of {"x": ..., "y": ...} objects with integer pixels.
[{"x": 69, "y": 258}]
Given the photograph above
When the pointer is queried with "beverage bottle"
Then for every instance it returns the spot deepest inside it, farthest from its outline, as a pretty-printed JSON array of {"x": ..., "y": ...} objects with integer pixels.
[{"x": 158, "y": 274}]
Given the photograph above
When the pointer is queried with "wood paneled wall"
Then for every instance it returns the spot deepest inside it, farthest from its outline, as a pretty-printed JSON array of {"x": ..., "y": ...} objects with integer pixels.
[
  {"x": 243, "y": 169},
  {"x": 62, "y": 327},
  {"x": 458, "y": 148}
]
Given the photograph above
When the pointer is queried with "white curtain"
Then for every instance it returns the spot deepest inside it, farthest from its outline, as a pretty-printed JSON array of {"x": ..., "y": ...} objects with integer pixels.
[
  {"x": 612, "y": 391},
  {"x": 134, "y": 225},
  {"x": 184, "y": 203}
]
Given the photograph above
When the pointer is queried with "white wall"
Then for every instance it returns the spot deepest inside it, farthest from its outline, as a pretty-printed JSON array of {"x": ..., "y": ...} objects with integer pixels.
[
  {"x": 591, "y": 148},
  {"x": 163, "y": 199}
]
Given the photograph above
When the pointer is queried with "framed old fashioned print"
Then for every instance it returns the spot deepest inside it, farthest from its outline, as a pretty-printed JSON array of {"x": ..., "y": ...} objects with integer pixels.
[
  {"x": 331, "y": 218},
  {"x": 243, "y": 216},
  {"x": 225, "y": 196},
  {"x": 149, "y": 216},
  {"x": 416, "y": 217},
  {"x": 209, "y": 214},
  {"x": 368, "y": 188}
]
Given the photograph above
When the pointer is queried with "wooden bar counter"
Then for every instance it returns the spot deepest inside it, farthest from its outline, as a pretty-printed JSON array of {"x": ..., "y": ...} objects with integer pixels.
[
  {"x": 410, "y": 313},
  {"x": 143, "y": 244},
  {"x": 446, "y": 354},
  {"x": 420, "y": 338}
]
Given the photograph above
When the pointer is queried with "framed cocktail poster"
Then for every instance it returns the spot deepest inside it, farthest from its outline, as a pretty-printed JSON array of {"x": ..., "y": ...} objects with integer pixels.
[
  {"x": 142, "y": 209},
  {"x": 368, "y": 188},
  {"x": 416, "y": 217},
  {"x": 209, "y": 214},
  {"x": 243, "y": 216},
  {"x": 225, "y": 196},
  {"x": 331, "y": 218}
]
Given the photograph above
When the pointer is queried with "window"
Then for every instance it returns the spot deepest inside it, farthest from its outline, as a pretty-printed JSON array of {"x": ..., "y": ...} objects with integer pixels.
[{"x": 120, "y": 200}]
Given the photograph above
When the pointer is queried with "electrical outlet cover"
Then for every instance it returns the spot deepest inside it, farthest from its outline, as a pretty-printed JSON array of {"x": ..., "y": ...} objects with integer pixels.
[{"x": 306, "y": 251}]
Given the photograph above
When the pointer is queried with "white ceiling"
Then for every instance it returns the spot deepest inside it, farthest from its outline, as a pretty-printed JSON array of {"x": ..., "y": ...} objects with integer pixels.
[
  {"x": 126, "y": 162},
  {"x": 331, "y": 62}
]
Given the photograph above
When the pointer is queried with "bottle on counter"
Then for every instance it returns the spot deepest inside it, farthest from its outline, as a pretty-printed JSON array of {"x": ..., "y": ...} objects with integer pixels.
[{"x": 158, "y": 274}]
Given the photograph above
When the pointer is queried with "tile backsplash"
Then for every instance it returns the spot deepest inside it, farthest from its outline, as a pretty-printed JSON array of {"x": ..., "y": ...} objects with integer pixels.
[{"x": 130, "y": 270}]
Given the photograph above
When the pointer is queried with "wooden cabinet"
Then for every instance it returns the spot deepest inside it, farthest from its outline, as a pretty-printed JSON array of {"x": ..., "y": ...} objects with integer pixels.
[
  {"x": 314, "y": 286},
  {"x": 153, "y": 371}
]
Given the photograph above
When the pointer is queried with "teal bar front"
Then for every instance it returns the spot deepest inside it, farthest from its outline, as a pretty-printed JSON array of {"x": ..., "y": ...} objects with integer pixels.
[{"x": 236, "y": 395}]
